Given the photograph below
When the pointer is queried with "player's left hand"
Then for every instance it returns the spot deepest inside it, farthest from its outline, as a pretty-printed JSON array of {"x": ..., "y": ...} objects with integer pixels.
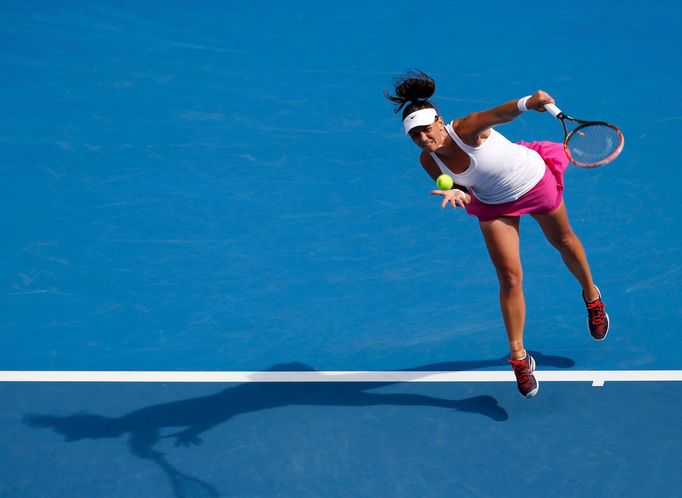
[{"x": 538, "y": 100}]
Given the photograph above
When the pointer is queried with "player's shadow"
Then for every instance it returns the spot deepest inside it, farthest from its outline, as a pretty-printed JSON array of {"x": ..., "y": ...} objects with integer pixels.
[{"x": 145, "y": 426}]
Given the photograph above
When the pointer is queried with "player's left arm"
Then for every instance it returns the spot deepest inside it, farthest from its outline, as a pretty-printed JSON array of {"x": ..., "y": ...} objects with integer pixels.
[{"x": 474, "y": 128}]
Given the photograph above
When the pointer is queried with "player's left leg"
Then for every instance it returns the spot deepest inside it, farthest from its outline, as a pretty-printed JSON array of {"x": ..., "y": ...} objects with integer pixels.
[{"x": 558, "y": 231}]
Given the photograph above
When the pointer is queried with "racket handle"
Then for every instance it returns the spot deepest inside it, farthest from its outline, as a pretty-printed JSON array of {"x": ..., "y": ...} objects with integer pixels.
[{"x": 553, "y": 110}]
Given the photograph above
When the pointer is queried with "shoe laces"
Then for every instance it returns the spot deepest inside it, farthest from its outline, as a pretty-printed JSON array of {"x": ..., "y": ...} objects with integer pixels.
[
  {"x": 595, "y": 310},
  {"x": 521, "y": 369}
]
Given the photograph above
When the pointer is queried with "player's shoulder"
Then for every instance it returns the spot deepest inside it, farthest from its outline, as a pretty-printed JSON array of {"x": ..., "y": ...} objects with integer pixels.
[
  {"x": 429, "y": 164},
  {"x": 426, "y": 159}
]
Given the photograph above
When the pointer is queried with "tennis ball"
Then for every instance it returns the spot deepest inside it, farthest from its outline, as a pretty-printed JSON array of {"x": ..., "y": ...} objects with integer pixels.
[{"x": 444, "y": 182}]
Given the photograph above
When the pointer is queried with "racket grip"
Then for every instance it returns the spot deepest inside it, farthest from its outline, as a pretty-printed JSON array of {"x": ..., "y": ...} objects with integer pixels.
[{"x": 553, "y": 110}]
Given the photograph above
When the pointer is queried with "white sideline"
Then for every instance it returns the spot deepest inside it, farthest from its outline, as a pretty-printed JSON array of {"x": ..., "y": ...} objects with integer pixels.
[{"x": 597, "y": 377}]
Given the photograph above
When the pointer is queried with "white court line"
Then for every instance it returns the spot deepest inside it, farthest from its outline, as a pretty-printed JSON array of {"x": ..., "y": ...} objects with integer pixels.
[{"x": 597, "y": 377}]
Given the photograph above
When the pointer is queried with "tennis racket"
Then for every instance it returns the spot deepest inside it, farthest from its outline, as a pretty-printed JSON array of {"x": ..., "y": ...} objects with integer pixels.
[{"x": 591, "y": 143}]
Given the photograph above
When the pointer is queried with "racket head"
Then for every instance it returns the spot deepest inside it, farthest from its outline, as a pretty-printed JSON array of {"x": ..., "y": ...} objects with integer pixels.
[{"x": 593, "y": 144}]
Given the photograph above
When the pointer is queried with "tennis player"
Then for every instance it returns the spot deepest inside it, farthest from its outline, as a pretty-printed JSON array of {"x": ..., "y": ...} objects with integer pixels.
[{"x": 499, "y": 181}]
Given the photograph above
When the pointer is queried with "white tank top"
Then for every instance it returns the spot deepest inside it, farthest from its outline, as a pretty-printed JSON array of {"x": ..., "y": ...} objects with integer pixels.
[{"x": 499, "y": 171}]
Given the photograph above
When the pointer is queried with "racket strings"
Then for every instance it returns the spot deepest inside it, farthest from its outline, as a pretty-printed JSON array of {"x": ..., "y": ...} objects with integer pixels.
[{"x": 594, "y": 144}]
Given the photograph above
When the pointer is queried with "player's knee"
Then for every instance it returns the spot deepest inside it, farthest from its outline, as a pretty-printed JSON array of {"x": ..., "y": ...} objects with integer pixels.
[
  {"x": 510, "y": 278},
  {"x": 566, "y": 242}
]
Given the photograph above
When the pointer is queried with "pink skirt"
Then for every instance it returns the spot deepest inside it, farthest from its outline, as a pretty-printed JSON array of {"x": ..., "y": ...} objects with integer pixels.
[{"x": 544, "y": 198}]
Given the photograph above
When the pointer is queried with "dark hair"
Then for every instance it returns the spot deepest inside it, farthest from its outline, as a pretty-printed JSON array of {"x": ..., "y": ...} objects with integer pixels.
[{"x": 415, "y": 87}]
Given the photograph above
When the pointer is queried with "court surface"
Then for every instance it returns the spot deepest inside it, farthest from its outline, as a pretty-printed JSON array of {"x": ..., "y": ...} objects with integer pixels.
[{"x": 223, "y": 274}]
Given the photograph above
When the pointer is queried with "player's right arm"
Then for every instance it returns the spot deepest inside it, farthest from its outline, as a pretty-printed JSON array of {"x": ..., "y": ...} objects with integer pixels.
[
  {"x": 457, "y": 196},
  {"x": 433, "y": 170}
]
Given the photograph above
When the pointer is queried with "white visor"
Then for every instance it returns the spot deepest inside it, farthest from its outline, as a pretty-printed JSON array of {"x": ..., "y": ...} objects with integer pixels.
[{"x": 422, "y": 117}]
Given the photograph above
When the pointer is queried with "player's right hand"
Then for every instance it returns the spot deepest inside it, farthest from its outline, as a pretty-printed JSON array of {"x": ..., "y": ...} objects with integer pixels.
[{"x": 455, "y": 197}]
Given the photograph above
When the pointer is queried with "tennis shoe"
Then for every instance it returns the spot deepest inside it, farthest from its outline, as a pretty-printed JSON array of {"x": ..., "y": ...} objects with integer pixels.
[
  {"x": 525, "y": 380},
  {"x": 597, "y": 318}
]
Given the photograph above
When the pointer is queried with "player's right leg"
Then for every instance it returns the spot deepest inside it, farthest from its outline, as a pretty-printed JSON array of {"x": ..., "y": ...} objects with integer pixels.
[{"x": 502, "y": 240}]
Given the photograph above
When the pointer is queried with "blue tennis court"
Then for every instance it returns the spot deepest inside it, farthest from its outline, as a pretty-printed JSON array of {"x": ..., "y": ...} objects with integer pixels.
[{"x": 224, "y": 275}]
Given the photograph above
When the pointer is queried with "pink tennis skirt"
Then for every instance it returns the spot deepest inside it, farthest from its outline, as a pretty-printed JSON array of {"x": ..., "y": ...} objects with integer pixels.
[{"x": 544, "y": 198}]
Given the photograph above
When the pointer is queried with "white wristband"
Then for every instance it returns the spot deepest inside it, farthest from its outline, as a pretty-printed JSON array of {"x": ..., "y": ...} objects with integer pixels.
[{"x": 521, "y": 104}]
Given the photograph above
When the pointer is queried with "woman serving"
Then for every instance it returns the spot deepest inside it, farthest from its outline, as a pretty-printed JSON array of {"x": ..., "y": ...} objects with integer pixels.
[{"x": 498, "y": 181}]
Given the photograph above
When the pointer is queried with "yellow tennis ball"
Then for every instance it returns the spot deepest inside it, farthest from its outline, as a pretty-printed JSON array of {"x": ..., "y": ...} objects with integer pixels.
[{"x": 444, "y": 182}]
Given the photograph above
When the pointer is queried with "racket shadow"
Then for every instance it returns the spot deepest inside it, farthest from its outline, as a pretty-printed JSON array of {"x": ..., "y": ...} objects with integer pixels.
[{"x": 145, "y": 426}]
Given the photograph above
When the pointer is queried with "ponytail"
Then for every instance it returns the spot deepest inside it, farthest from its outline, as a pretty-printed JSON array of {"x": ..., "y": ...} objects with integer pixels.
[{"x": 415, "y": 88}]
